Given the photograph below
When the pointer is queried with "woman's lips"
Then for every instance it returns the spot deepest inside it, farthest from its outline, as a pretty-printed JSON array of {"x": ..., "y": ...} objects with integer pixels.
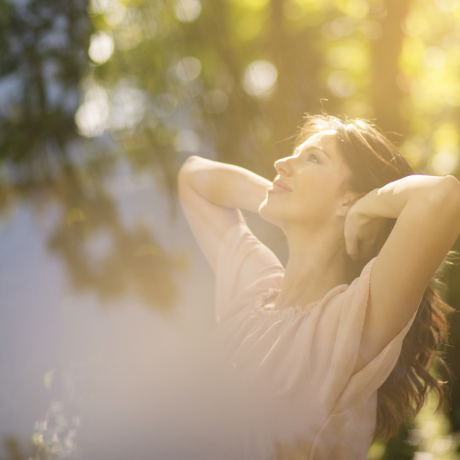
[{"x": 279, "y": 187}]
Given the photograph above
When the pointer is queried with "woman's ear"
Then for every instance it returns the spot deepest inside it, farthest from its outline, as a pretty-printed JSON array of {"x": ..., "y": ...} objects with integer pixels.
[{"x": 348, "y": 199}]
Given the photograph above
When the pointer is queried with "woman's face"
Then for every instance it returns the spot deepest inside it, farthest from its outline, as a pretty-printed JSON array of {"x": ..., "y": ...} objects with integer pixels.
[{"x": 314, "y": 180}]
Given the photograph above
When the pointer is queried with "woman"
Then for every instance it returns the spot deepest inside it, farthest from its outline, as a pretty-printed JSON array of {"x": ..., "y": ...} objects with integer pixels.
[{"x": 340, "y": 356}]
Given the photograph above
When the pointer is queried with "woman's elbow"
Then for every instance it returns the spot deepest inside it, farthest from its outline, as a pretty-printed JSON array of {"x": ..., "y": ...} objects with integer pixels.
[
  {"x": 447, "y": 198},
  {"x": 188, "y": 162},
  {"x": 451, "y": 189},
  {"x": 186, "y": 177},
  {"x": 453, "y": 182},
  {"x": 186, "y": 167}
]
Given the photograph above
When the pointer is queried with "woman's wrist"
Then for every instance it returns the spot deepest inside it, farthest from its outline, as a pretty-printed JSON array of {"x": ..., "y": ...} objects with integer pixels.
[{"x": 367, "y": 205}]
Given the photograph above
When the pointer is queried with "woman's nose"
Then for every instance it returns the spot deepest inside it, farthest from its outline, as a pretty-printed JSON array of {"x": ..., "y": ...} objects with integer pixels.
[{"x": 283, "y": 166}]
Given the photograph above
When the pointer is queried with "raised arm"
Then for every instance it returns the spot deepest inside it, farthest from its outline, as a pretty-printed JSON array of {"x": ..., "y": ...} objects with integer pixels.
[
  {"x": 211, "y": 194},
  {"x": 427, "y": 209}
]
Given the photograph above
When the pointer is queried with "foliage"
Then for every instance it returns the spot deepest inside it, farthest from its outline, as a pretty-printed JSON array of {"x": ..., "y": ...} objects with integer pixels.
[{"x": 46, "y": 163}]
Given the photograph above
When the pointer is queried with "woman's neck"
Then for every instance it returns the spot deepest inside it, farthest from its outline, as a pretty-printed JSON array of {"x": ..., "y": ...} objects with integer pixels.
[{"x": 317, "y": 263}]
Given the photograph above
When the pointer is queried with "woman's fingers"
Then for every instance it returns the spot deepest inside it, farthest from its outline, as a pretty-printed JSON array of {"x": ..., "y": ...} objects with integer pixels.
[
  {"x": 352, "y": 246},
  {"x": 359, "y": 249},
  {"x": 361, "y": 236}
]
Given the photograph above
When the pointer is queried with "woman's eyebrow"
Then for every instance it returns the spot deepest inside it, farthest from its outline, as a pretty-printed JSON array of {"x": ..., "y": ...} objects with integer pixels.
[{"x": 312, "y": 147}]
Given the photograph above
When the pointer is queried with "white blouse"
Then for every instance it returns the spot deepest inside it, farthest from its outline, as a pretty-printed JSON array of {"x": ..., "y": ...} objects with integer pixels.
[{"x": 292, "y": 368}]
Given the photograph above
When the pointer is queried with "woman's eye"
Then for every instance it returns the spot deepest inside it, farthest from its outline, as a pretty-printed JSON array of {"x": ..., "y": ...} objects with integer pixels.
[{"x": 312, "y": 156}]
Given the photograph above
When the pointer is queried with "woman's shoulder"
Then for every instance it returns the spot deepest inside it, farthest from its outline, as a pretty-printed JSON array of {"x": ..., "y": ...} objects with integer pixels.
[{"x": 245, "y": 268}]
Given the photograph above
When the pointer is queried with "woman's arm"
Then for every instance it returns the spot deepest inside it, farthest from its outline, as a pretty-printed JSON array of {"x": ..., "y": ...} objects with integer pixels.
[
  {"x": 389, "y": 201},
  {"x": 224, "y": 184},
  {"x": 211, "y": 194},
  {"x": 427, "y": 212}
]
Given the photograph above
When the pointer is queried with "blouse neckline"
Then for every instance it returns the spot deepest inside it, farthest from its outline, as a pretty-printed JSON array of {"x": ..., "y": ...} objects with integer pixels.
[{"x": 293, "y": 310}]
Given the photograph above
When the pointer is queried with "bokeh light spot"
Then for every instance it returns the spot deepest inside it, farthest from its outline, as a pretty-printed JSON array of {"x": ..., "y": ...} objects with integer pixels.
[
  {"x": 447, "y": 5},
  {"x": 92, "y": 116},
  {"x": 128, "y": 38},
  {"x": 434, "y": 57},
  {"x": 445, "y": 162},
  {"x": 260, "y": 78},
  {"x": 413, "y": 148},
  {"x": 100, "y": 6},
  {"x": 412, "y": 54},
  {"x": 446, "y": 136},
  {"x": 372, "y": 29},
  {"x": 357, "y": 8},
  {"x": 341, "y": 83},
  {"x": 187, "y": 10},
  {"x": 347, "y": 56},
  {"x": 127, "y": 107},
  {"x": 187, "y": 141},
  {"x": 341, "y": 27},
  {"x": 101, "y": 47},
  {"x": 414, "y": 24},
  {"x": 115, "y": 15},
  {"x": 188, "y": 68}
]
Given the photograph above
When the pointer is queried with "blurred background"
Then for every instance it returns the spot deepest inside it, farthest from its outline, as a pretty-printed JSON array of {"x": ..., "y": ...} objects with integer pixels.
[{"x": 104, "y": 294}]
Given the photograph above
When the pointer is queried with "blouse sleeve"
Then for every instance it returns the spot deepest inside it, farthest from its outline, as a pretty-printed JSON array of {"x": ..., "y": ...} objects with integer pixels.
[
  {"x": 336, "y": 344},
  {"x": 242, "y": 262}
]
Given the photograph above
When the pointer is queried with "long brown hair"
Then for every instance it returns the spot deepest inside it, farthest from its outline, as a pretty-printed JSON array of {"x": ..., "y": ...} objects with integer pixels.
[{"x": 375, "y": 161}]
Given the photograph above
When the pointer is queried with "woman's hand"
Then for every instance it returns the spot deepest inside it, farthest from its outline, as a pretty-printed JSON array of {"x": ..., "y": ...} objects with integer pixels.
[
  {"x": 362, "y": 232},
  {"x": 366, "y": 220}
]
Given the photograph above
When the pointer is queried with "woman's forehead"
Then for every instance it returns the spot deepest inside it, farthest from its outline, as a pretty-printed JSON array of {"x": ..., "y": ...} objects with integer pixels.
[{"x": 326, "y": 140}]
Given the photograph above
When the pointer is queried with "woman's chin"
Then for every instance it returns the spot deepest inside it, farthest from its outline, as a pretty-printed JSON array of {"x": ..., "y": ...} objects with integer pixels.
[{"x": 268, "y": 214}]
